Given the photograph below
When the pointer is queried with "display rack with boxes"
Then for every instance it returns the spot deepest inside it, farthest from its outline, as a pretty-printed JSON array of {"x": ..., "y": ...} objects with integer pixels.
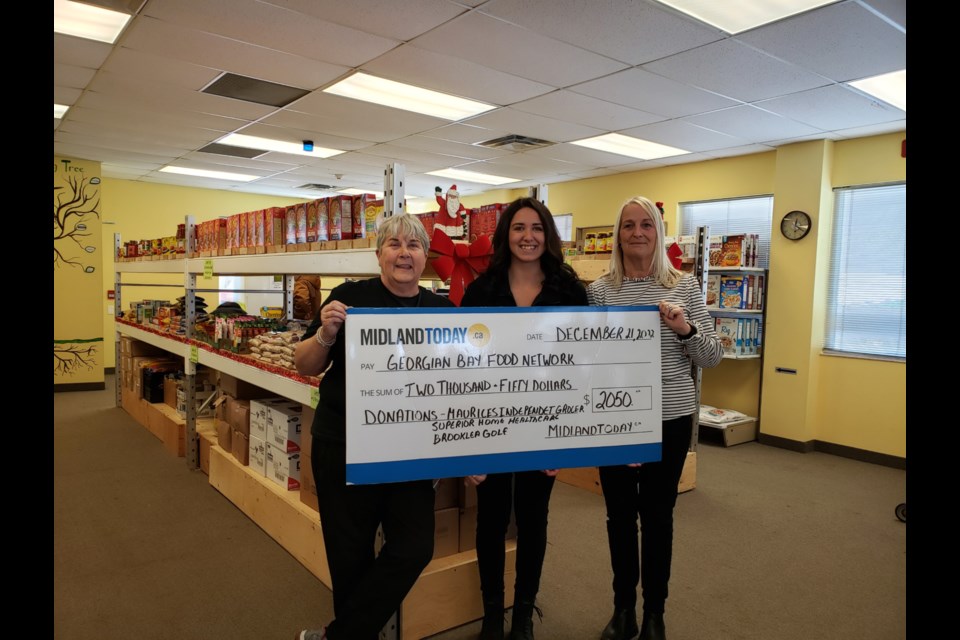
[
  {"x": 735, "y": 292},
  {"x": 273, "y": 485}
]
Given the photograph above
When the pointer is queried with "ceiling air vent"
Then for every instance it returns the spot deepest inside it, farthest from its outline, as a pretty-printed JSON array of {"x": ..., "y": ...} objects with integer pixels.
[
  {"x": 228, "y": 150},
  {"x": 314, "y": 186},
  {"x": 513, "y": 142},
  {"x": 231, "y": 85}
]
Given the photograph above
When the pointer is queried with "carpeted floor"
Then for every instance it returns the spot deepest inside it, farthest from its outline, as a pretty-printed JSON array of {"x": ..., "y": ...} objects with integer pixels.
[{"x": 771, "y": 545}]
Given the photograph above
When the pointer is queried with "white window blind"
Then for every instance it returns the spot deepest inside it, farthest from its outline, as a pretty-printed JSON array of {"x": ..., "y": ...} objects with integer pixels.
[
  {"x": 730, "y": 217},
  {"x": 867, "y": 296},
  {"x": 564, "y": 223}
]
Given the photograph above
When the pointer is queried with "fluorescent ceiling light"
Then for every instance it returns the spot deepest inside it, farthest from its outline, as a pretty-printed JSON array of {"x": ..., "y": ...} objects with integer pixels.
[
  {"x": 890, "y": 87},
  {"x": 361, "y": 86},
  {"x": 470, "y": 176},
  {"x": 632, "y": 147},
  {"x": 734, "y": 16},
  {"x": 87, "y": 21},
  {"x": 357, "y": 192},
  {"x": 203, "y": 173},
  {"x": 295, "y": 148},
  {"x": 59, "y": 110}
]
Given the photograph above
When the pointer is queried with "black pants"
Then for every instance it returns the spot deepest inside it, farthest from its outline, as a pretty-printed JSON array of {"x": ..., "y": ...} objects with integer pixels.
[
  {"x": 649, "y": 491},
  {"x": 368, "y": 588},
  {"x": 528, "y": 493}
]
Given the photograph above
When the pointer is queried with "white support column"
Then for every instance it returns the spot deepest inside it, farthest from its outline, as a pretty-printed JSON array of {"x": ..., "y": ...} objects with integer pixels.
[{"x": 394, "y": 190}]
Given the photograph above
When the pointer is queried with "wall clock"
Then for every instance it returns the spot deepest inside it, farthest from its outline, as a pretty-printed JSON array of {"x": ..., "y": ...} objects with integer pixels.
[{"x": 795, "y": 225}]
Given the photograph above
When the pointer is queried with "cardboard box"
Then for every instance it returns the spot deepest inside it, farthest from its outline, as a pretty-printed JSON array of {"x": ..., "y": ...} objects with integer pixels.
[
  {"x": 259, "y": 412},
  {"x": 224, "y": 435},
  {"x": 258, "y": 454},
  {"x": 240, "y": 447},
  {"x": 238, "y": 415},
  {"x": 284, "y": 426},
  {"x": 132, "y": 347},
  {"x": 170, "y": 386},
  {"x": 467, "y": 495},
  {"x": 283, "y": 468},
  {"x": 446, "y": 532},
  {"x": 237, "y": 388},
  {"x": 447, "y": 493}
]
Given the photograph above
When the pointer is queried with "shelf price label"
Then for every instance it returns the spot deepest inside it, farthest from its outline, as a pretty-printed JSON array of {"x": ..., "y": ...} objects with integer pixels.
[
  {"x": 194, "y": 354},
  {"x": 314, "y": 397},
  {"x": 208, "y": 269}
]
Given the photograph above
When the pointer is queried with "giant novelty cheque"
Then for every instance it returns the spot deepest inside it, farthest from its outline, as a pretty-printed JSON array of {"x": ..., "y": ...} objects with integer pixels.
[{"x": 444, "y": 393}]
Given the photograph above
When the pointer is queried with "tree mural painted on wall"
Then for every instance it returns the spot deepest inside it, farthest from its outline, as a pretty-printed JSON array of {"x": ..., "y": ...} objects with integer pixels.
[{"x": 75, "y": 204}]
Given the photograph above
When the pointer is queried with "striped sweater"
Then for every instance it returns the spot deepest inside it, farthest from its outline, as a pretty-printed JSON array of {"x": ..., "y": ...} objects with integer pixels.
[{"x": 703, "y": 349}]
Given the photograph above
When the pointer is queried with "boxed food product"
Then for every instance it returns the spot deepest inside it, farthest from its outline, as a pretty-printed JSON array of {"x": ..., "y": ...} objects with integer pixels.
[
  {"x": 713, "y": 290},
  {"x": 346, "y": 217},
  {"x": 290, "y": 224},
  {"x": 284, "y": 426},
  {"x": 311, "y": 228},
  {"x": 732, "y": 251},
  {"x": 716, "y": 251},
  {"x": 283, "y": 467},
  {"x": 335, "y": 218},
  {"x": 733, "y": 292},
  {"x": 727, "y": 331},
  {"x": 372, "y": 210},
  {"x": 323, "y": 219},
  {"x": 301, "y": 217}
]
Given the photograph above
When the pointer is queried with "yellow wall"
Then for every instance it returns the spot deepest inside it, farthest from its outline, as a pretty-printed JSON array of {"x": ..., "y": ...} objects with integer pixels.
[
  {"x": 78, "y": 345},
  {"x": 141, "y": 210}
]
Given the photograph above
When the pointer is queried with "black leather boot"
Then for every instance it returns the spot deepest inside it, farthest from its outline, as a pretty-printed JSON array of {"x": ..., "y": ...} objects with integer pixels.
[
  {"x": 521, "y": 626},
  {"x": 653, "y": 627},
  {"x": 492, "y": 627},
  {"x": 622, "y": 625}
]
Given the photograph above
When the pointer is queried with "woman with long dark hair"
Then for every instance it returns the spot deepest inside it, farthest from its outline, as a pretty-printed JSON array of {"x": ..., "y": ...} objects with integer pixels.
[{"x": 526, "y": 270}]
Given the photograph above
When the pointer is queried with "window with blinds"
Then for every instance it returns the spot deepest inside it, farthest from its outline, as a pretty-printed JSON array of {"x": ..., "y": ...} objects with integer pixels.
[
  {"x": 867, "y": 296},
  {"x": 564, "y": 222},
  {"x": 730, "y": 217}
]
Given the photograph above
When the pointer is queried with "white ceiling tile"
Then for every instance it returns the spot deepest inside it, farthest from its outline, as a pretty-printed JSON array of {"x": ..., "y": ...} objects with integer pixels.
[
  {"x": 634, "y": 32},
  {"x": 133, "y": 63},
  {"x": 72, "y": 77},
  {"x": 683, "y": 135},
  {"x": 526, "y": 166},
  {"x": 112, "y": 149},
  {"x": 79, "y": 52},
  {"x": 273, "y": 27},
  {"x": 872, "y": 130},
  {"x": 582, "y": 155},
  {"x": 65, "y": 95},
  {"x": 176, "y": 98},
  {"x": 391, "y": 153},
  {"x": 106, "y": 109},
  {"x": 515, "y": 50},
  {"x": 348, "y": 118},
  {"x": 732, "y": 69},
  {"x": 263, "y": 165},
  {"x": 751, "y": 124},
  {"x": 448, "y": 148},
  {"x": 582, "y": 109},
  {"x": 181, "y": 43},
  {"x": 747, "y": 149},
  {"x": 265, "y": 129},
  {"x": 466, "y": 133},
  {"x": 831, "y": 108},
  {"x": 457, "y": 76},
  {"x": 851, "y": 42},
  {"x": 388, "y": 18},
  {"x": 172, "y": 136},
  {"x": 528, "y": 124},
  {"x": 894, "y": 11},
  {"x": 649, "y": 92}
]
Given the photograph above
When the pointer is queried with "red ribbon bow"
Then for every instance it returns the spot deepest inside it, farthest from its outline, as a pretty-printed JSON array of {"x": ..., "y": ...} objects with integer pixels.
[
  {"x": 458, "y": 262},
  {"x": 675, "y": 254}
]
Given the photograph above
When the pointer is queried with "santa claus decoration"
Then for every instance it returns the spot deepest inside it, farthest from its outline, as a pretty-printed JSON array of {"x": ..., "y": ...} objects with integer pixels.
[{"x": 452, "y": 217}]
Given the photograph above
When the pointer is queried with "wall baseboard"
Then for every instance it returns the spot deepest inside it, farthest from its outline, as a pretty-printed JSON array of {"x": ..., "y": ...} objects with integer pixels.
[
  {"x": 843, "y": 451},
  {"x": 79, "y": 386}
]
